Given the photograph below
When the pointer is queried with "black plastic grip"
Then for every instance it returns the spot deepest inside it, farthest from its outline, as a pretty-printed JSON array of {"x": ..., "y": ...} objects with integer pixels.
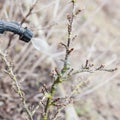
[{"x": 24, "y": 33}]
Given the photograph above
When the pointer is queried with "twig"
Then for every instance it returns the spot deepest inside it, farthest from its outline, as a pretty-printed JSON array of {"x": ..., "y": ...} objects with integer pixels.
[
  {"x": 18, "y": 90},
  {"x": 29, "y": 12},
  {"x": 60, "y": 74},
  {"x": 70, "y": 24}
]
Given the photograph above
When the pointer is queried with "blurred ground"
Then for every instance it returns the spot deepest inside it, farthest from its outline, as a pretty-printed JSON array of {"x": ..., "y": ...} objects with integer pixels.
[{"x": 98, "y": 39}]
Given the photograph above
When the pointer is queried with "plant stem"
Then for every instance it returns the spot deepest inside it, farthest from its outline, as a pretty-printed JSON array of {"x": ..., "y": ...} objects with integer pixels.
[
  {"x": 64, "y": 69},
  {"x": 18, "y": 90},
  {"x": 52, "y": 91}
]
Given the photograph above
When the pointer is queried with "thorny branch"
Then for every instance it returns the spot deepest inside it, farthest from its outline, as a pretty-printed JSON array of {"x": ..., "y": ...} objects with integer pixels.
[
  {"x": 59, "y": 75},
  {"x": 70, "y": 24},
  {"x": 18, "y": 89},
  {"x": 91, "y": 68}
]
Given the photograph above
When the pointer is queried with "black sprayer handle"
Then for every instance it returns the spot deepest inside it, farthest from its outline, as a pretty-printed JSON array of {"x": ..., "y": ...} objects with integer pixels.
[{"x": 24, "y": 33}]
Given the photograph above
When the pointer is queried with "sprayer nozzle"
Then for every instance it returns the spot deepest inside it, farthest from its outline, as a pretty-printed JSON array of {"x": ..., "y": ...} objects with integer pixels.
[{"x": 26, "y": 35}]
